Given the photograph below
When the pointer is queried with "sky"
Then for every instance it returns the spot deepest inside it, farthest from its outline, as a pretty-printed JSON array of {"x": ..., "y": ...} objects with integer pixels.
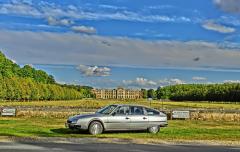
[{"x": 129, "y": 43}]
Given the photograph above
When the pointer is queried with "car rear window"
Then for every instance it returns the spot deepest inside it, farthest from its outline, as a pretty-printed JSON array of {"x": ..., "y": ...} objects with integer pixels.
[
  {"x": 152, "y": 112},
  {"x": 137, "y": 111}
]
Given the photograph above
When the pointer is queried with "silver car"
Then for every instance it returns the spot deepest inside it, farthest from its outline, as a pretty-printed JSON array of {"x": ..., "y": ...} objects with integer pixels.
[{"x": 119, "y": 117}]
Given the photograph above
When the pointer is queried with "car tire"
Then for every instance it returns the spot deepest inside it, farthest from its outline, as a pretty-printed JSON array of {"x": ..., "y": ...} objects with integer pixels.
[
  {"x": 95, "y": 128},
  {"x": 154, "y": 129}
]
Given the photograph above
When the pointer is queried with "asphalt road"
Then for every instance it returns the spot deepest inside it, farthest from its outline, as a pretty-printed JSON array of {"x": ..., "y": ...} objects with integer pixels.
[{"x": 106, "y": 147}]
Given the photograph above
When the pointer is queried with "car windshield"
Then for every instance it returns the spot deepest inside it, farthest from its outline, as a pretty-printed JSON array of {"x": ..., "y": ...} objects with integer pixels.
[{"x": 107, "y": 110}]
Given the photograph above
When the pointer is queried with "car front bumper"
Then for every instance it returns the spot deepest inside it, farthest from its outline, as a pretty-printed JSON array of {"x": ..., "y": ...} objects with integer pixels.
[{"x": 72, "y": 126}]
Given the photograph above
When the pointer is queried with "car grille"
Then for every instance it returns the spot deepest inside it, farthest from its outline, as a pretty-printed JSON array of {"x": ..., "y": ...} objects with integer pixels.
[{"x": 68, "y": 121}]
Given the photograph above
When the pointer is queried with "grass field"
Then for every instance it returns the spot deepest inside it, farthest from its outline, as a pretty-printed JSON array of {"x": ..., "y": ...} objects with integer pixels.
[
  {"x": 95, "y": 104},
  {"x": 177, "y": 130},
  {"x": 51, "y": 123}
]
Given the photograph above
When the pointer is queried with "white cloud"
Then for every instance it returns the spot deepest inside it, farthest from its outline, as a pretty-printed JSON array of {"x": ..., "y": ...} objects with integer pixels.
[
  {"x": 161, "y": 7},
  {"x": 72, "y": 48},
  {"x": 29, "y": 2},
  {"x": 141, "y": 82},
  {"x": 94, "y": 70},
  {"x": 84, "y": 29},
  {"x": 230, "y": 20},
  {"x": 231, "y": 81},
  {"x": 112, "y": 7},
  {"x": 176, "y": 81},
  {"x": 197, "y": 78},
  {"x": 210, "y": 25},
  {"x": 45, "y": 9},
  {"x": 232, "y": 6},
  {"x": 53, "y": 21},
  {"x": 72, "y": 7},
  {"x": 19, "y": 8},
  {"x": 173, "y": 81}
]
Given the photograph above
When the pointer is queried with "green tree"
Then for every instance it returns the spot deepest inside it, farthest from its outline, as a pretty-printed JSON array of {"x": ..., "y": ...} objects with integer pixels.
[
  {"x": 151, "y": 93},
  {"x": 159, "y": 93},
  {"x": 144, "y": 92}
]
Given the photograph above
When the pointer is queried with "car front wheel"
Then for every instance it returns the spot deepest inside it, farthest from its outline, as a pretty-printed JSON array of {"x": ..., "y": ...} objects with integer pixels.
[
  {"x": 154, "y": 129},
  {"x": 95, "y": 128}
]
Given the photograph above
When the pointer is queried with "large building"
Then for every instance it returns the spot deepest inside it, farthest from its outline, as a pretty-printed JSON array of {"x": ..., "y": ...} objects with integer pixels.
[{"x": 119, "y": 93}]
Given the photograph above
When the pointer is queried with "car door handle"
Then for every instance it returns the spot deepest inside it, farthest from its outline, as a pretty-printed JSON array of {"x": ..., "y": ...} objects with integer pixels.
[
  {"x": 144, "y": 118},
  {"x": 127, "y": 118}
]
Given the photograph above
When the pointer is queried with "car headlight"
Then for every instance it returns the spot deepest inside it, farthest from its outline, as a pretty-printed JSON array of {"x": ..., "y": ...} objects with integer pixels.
[{"x": 74, "y": 121}]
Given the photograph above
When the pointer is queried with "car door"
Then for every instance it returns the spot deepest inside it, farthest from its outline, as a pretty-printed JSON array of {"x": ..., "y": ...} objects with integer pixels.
[
  {"x": 119, "y": 120},
  {"x": 139, "y": 120},
  {"x": 154, "y": 118}
]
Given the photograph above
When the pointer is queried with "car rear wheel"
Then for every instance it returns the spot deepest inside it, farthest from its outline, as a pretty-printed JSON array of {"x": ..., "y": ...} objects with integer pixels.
[
  {"x": 154, "y": 129},
  {"x": 95, "y": 128}
]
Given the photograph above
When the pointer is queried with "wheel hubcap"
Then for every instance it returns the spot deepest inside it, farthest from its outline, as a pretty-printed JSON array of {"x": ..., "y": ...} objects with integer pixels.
[
  {"x": 95, "y": 129},
  {"x": 154, "y": 129}
]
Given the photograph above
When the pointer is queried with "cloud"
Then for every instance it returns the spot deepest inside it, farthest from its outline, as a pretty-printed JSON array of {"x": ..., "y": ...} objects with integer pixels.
[
  {"x": 141, "y": 82},
  {"x": 230, "y": 20},
  {"x": 231, "y": 6},
  {"x": 45, "y": 9},
  {"x": 196, "y": 78},
  {"x": 72, "y": 7},
  {"x": 210, "y": 25},
  {"x": 19, "y": 8},
  {"x": 29, "y": 2},
  {"x": 53, "y": 21},
  {"x": 172, "y": 81},
  {"x": 112, "y": 7},
  {"x": 159, "y": 7},
  {"x": 75, "y": 49},
  {"x": 231, "y": 81},
  {"x": 84, "y": 29},
  {"x": 94, "y": 70}
]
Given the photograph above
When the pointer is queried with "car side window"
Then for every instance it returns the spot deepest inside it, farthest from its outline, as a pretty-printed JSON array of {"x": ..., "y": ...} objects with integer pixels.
[
  {"x": 123, "y": 110},
  {"x": 151, "y": 112},
  {"x": 137, "y": 111}
]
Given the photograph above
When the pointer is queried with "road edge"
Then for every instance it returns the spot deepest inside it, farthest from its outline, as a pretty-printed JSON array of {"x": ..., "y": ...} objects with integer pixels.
[{"x": 118, "y": 141}]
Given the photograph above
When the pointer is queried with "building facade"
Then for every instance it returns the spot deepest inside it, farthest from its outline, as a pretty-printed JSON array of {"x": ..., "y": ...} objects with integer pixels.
[{"x": 119, "y": 93}]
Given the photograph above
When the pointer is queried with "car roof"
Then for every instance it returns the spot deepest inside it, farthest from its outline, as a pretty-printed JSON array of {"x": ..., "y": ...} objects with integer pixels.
[
  {"x": 134, "y": 105},
  {"x": 131, "y": 105}
]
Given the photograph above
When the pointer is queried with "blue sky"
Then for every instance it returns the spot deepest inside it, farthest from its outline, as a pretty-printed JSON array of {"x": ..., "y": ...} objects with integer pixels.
[{"x": 136, "y": 44}]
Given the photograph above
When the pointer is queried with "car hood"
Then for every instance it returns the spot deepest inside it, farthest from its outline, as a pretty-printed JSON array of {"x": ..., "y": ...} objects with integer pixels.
[{"x": 76, "y": 117}]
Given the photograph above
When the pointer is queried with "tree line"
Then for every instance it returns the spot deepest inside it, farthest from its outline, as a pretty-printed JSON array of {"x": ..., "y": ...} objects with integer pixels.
[
  {"x": 27, "y": 83},
  {"x": 8, "y": 69},
  {"x": 197, "y": 92},
  {"x": 25, "y": 89}
]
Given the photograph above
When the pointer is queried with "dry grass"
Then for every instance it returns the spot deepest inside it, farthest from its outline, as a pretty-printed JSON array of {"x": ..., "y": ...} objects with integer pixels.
[
  {"x": 64, "y": 109},
  {"x": 235, "y": 117},
  {"x": 95, "y": 104},
  {"x": 228, "y": 117},
  {"x": 47, "y": 114}
]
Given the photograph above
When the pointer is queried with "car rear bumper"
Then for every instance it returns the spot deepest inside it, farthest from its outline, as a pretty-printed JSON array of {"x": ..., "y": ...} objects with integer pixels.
[{"x": 164, "y": 125}]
